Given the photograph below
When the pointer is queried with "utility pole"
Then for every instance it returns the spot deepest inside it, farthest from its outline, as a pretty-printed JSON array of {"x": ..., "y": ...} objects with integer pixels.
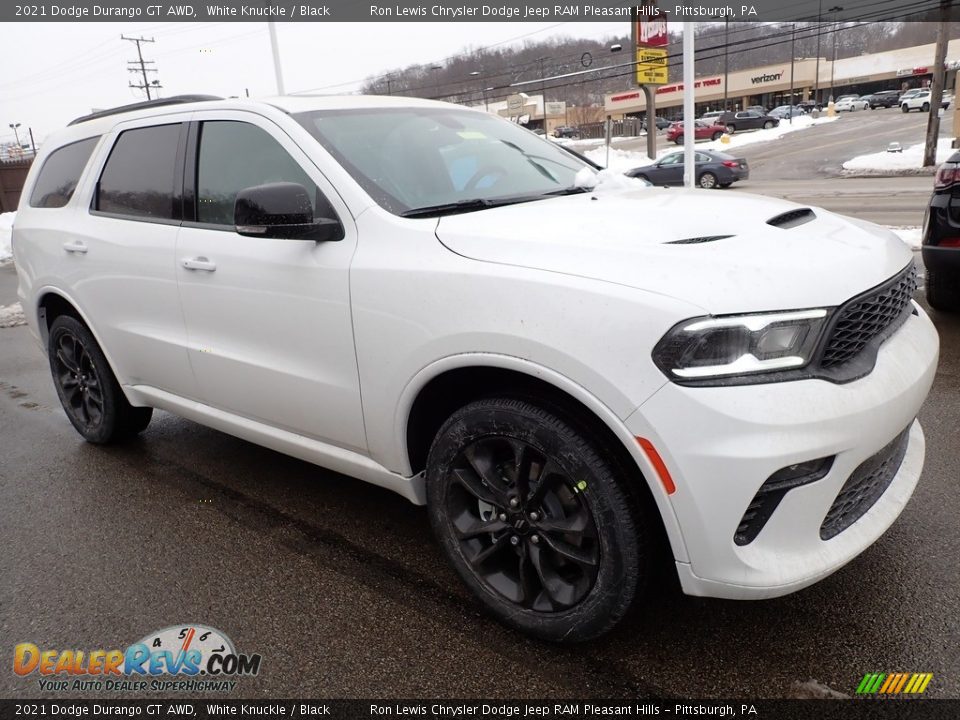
[
  {"x": 816, "y": 73},
  {"x": 275, "y": 51},
  {"x": 936, "y": 90},
  {"x": 143, "y": 69},
  {"x": 543, "y": 92},
  {"x": 726, "y": 63},
  {"x": 836, "y": 28}
]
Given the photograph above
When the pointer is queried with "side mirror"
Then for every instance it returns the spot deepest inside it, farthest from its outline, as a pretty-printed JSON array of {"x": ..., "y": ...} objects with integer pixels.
[{"x": 282, "y": 210}]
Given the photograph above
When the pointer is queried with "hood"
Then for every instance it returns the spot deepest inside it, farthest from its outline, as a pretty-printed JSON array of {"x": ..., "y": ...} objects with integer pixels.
[{"x": 712, "y": 248}]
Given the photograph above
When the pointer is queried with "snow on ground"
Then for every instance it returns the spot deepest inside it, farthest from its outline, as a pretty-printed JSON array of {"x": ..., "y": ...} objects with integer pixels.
[
  {"x": 6, "y": 229},
  {"x": 910, "y": 235},
  {"x": 910, "y": 159},
  {"x": 11, "y": 316},
  {"x": 626, "y": 159}
]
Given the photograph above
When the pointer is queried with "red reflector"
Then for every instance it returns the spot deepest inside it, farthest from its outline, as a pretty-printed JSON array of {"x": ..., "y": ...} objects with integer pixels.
[
  {"x": 950, "y": 242},
  {"x": 654, "y": 457},
  {"x": 731, "y": 163}
]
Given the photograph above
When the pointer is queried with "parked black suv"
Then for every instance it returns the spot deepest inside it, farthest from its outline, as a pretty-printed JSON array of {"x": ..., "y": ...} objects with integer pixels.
[
  {"x": 566, "y": 132},
  {"x": 747, "y": 120},
  {"x": 883, "y": 99},
  {"x": 941, "y": 238}
]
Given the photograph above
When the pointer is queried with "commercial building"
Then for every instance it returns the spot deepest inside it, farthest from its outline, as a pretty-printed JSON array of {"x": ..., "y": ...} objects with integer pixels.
[{"x": 772, "y": 85}]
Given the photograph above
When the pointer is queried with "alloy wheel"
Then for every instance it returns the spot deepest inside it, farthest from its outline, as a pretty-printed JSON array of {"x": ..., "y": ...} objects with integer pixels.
[
  {"x": 79, "y": 381},
  {"x": 522, "y": 524}
]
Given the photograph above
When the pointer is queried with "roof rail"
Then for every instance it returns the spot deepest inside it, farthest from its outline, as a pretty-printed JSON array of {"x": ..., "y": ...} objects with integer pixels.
[{"x": 174, "y": 100}]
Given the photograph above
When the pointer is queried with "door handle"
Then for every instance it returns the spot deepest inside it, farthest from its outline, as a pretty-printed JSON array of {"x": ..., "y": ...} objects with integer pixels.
[
  {"x": 77, "y": 247},
  {"x": 199, "y": 263}
]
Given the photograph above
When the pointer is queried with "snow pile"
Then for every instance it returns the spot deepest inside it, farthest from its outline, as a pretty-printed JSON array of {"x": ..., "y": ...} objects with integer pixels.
[
  {"x": 910, "y": 235},
  {"x": 606, "y": 180},
  {"x": 910, "y": 159},
  {"x": 11, "y": 316},
  {"x": 6, "y": 230}
]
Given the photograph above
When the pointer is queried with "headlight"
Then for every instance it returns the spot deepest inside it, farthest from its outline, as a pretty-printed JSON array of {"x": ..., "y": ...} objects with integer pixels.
[{"x": 703, "y": 349}]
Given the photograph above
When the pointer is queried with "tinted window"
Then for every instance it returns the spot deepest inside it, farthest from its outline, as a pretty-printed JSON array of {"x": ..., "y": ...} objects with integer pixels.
[
  {"x": 235, "y": 156},
  {"x": 139, "y": 176},
  {"x": 60, "y": 173}
]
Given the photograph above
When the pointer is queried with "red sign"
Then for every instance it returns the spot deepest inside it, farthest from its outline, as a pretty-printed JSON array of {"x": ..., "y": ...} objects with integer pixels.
[{"x": 651, "y": 31}]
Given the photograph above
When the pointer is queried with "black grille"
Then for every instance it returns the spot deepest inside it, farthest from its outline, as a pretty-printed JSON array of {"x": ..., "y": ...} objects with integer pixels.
[
  {"x": 864, "y": 487},
  {"x": 873, "y": 315},
  {"x": 772, "y": 491}
]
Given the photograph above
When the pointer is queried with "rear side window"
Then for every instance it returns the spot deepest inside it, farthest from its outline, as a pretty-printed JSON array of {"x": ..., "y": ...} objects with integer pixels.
[
  {"x": 60, "y": 173},
  {"x": 138, "y": 179}
]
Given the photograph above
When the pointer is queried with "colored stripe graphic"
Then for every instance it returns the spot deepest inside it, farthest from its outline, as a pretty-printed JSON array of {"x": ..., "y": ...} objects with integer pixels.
[{"x": 894, "y": 683}]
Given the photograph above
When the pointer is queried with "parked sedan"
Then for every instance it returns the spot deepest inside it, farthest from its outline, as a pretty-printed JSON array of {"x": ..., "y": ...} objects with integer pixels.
[
  {"x": 714, "y": 169},
  {"x": 566, "y": 132},
  {"x": 702, "y": 131},
  {"x": 747, "y": 120},
  {"x": 849, "y": 103},
  {"x": 784, "y": 112},
  {"x": 941, "y": 238}
]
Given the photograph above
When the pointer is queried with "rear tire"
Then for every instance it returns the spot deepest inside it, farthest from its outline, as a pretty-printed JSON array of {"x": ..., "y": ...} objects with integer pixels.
[
  {"x": 716, "y": 136},
  {"x": 767, "y": 125},
  {"x": 943, "y": 290},
  {"x": 536, "y": 520},
  {"x": 708, "y": 181},
  {"x": 731, "y": 129},
  {"x": 87, "y": 388}
]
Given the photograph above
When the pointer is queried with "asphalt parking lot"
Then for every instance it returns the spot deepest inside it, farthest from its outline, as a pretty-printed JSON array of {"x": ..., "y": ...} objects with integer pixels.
[{"x": 341, "y": 589}]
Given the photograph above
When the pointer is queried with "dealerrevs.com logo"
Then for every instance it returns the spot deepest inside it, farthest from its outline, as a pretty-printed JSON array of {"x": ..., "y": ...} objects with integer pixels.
[{"x": 179, "y": 658}]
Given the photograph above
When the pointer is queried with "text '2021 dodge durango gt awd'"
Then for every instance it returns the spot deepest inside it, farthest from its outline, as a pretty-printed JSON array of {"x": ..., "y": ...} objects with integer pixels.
[{"x": 566, "y": 366}]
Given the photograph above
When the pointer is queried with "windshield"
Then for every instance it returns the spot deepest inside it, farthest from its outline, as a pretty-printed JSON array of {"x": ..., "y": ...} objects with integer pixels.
[{"x": 414, "y": 159}]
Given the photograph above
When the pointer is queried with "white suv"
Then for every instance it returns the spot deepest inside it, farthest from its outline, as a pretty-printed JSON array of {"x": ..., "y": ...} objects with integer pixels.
[
  {"x": 919, "y": 100},
  {"x": 566, "y": 367}
]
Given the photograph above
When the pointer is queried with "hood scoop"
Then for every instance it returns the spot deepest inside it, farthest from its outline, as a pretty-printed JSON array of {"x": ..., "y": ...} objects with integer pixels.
[
  {"x": 698, "y": 240},
  {"x": 792, "y": 218}
]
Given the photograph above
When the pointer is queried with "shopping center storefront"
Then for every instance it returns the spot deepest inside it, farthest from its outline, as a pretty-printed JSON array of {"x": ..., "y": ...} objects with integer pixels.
[{"x": 772, "y": 85}]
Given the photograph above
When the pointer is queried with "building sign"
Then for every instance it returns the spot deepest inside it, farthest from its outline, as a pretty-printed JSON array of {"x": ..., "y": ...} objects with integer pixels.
[
  {"x": 651, "y": 66},
  {"x": 515, "y": 103},
  {"x": 908, "y": 72},
  {"x": 650, "y": 40},
  {"x": 705, "y": 83},
  {"x": 766, "y": 77},
  {"x": 556, "y": 107}
]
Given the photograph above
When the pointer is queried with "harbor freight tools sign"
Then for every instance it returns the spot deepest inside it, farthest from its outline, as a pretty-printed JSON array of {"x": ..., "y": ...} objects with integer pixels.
[{"x": 179, "y": 658}]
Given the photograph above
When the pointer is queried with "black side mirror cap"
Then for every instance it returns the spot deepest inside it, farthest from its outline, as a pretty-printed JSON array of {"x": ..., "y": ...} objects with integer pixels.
[{"x": 282, "y": 210}]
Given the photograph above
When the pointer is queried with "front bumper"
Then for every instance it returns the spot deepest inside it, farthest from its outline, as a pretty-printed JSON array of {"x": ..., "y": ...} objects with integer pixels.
[{"x": 721, "y": 443}]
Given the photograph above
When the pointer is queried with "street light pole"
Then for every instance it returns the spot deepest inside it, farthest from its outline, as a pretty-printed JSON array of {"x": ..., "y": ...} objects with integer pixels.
[
  {"x": 835, "y": 9},
  {"x": 543, "y": 93},
  {"x": 793, "y": 57},
  {"x": 726, "y": 64},
  {"x": 816, "y": 73},
  {"x": 14, "y": 127}
]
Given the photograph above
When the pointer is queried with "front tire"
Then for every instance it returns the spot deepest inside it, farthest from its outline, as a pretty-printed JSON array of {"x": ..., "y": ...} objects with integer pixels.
[
  {"x": 535, "y": 520},
  {"x": 87, "y": 388},
  {"x": 925, "y": 107},
  {"x": 679, "y": 140},
  {"x": 716, "y": 136},
  {"x": 904, "y": 108},
  {"x": 767, "y": 125}
]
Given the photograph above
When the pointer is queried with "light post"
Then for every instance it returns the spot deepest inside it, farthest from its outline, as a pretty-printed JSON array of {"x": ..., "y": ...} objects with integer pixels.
[
  {"x": 835, "y": 9},
  {"x": 816, "y": 73},
  {"x": 726, "y": 65},
  {"x": 793, "y": 57},
  {"x": 14, "y": 126},
  {"x": 436, "y": 79},
  {"x": 543, "y": 93}
]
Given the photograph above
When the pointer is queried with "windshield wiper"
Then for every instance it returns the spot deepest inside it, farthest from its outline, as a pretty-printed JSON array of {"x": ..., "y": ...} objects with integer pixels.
[{"x": 462, "y": 206}]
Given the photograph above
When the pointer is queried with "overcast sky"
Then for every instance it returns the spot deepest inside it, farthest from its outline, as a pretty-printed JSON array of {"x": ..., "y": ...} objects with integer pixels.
[{"x": 54, "y": 72}]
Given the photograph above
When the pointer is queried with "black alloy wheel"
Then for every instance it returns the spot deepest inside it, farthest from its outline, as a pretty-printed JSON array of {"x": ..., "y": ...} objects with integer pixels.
[
  {"x": 534, "y": 521},
  {"x": 79, "y": 382},
  {"x": 87, "y": 388}
]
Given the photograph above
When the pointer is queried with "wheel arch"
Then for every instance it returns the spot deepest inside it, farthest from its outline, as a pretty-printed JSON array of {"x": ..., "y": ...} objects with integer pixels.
[
  {"x": 447, "y": 385},
  {"x": 52, "y": 302}
]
